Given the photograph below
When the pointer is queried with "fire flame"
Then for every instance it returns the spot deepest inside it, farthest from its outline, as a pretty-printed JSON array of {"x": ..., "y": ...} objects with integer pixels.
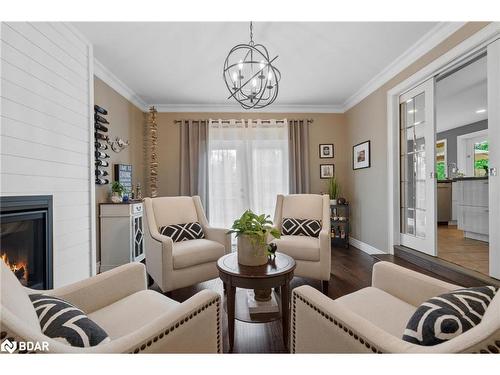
[{"x": 19, "y": 269}]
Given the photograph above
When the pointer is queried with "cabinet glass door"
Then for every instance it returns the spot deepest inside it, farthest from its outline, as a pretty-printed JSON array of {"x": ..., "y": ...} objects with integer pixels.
[{"x": 417, "y": 164}]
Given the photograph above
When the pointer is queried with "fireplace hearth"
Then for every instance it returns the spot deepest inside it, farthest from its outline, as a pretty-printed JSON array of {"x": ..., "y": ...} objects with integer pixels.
[{"x": 26, "y": 238}]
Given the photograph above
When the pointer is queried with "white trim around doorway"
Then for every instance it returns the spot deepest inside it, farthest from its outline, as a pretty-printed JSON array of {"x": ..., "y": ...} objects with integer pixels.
[{"x": 465, "y": 49}]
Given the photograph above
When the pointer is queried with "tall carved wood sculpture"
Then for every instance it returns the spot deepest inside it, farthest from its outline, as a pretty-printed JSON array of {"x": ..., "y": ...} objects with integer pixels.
[{"x": 153, "y": 156}]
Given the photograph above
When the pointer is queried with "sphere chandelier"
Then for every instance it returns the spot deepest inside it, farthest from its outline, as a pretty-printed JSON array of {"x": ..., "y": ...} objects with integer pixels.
[{"x": 250, "y": 76}]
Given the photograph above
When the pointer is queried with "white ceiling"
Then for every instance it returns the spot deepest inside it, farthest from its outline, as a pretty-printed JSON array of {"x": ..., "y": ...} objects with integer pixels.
[
  {"x": 460, "y": 95},
  {"x": 322, "y": 64}
]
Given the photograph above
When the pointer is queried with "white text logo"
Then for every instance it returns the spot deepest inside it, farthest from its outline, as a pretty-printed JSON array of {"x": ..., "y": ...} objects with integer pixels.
[{"x": 24, "y": 346}]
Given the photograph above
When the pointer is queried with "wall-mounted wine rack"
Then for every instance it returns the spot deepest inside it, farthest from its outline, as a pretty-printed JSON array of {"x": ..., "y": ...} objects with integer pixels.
[{"x": 100, "y": 132}]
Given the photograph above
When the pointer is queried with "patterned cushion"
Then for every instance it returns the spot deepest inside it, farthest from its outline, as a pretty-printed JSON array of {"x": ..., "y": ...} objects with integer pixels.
[
  {"x": 444, "y": 317},
  {"x": 300, "y": 227},
  {"x": 64, "y": 322},
  {"x": 183, "y": 232}
]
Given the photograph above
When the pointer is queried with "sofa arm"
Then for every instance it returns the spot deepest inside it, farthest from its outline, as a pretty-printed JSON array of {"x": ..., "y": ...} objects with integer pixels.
[
  {"x": 321, "y": 325},
  {"x": 104, "y": 289},
  {"x": 219, "y": 235},
  {"x": 407, "y": 285},
  {"x": 325, "y": 254}
]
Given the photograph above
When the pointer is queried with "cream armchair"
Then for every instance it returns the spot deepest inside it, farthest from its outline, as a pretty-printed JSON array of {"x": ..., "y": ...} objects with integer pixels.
[
  {"x": 312, "y": 255},
  {"x": 174, "y": 265},
  {"x": 373, "y": 319},
  {"x": 137, "y": 320}
]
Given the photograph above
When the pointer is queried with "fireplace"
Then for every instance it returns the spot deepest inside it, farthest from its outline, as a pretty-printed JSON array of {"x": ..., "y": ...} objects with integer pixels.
[{"x": 26, "y": 239}]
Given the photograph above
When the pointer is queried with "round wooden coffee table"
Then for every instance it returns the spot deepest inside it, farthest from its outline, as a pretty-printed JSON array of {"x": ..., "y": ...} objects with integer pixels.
[{"x": 276, "y": 273}]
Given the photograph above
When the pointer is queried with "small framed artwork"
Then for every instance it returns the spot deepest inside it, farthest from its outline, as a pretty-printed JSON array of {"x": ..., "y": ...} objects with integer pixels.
[
  {"x": 326, "y": 151},
  {"x": 361, "y": 157},
  {"x": 326, "y": 170}
]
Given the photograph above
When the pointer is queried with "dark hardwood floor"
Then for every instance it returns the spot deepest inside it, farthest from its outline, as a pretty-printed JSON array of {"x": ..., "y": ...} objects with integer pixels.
[{"x": 351, "y": 271}]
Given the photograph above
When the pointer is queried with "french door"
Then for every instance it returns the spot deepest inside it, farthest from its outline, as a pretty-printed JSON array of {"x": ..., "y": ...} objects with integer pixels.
[
  {"x": 417, "y": 176},
  {"x": 493, "y": 63}
]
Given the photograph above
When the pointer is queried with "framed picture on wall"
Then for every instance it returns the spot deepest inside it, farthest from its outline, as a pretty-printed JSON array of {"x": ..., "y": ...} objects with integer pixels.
[
  {"x": 326, "y": 170},
  {"x": 361, "y": 157},
  {"x": 326, "y": 151}
]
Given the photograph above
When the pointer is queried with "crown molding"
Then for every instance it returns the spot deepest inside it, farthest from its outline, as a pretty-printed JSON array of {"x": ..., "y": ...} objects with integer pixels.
[
  {"x": 118, "y": 85},
  {"x": 426, "y": 43},
  {"x": 276, "y": 108}
]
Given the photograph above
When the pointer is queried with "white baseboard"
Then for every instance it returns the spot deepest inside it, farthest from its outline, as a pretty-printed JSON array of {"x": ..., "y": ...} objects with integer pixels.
[{"x": 369, "y": 249}]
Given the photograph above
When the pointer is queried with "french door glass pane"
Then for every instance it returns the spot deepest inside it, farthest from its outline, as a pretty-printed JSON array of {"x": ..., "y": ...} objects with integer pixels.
[
  {"x": 413, "y": 168},
  {"x": 408, "y": 221}
]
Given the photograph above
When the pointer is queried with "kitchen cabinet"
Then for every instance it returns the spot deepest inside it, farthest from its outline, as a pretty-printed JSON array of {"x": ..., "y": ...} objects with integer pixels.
[
  {"x": 444, "y": 202},
  {"x": 473, "y": 212}
]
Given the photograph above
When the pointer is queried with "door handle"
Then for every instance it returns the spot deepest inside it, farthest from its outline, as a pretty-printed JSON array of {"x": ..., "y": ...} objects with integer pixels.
[{"x": 493, "y": 171}]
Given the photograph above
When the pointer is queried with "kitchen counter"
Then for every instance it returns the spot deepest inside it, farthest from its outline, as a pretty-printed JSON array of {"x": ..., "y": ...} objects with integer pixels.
[
  {"x": 454, "y": 179},
  {"x": 469, "y": 178}
]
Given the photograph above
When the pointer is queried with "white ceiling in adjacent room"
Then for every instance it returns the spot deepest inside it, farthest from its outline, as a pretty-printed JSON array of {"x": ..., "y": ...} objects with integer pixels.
[
  {"x": 462, "y": 97},
  {"x": 180, "y": 63}
]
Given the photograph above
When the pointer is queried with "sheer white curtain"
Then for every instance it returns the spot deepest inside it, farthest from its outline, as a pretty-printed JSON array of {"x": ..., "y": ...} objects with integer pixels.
[{"x": 247, "y": 167}]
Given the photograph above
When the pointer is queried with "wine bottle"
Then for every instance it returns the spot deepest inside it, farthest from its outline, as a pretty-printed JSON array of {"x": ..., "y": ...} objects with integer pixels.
[
  {"x": 101, "y": 155},
  {"x": 100, "y": 110},
  {"x": 101, "y": 181},
  {"x": 100, "y": 172},
  {"x": 100, "y": 119},
  {"x": 100, "y": 146},
  {"x": 101, "y": 136},
  {"x": 101, "y": 163},
  {"x": 100, "y": 127}
]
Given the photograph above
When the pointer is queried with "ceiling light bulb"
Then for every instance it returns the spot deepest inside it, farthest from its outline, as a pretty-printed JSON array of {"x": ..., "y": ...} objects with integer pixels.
[
  {"x": 262, "y": 64},
  {"x": 254, "y": 82},
  {"x": 270, "y": 76},
  {"x": 240, "y": 65},
  {"x": 235, "y": 76},
  {"x": 482, "y": 110}
]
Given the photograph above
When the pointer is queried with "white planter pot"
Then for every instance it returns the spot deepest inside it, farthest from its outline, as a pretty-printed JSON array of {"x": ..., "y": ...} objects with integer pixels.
[
  {"x": 333, "y": 202},
  {"x": 115, "y": 198},
  {"x": 250, "y": 254}
]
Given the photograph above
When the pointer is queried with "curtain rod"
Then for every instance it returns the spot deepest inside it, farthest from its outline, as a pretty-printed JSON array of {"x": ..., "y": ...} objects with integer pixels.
[{"x": 309, "y": 121}]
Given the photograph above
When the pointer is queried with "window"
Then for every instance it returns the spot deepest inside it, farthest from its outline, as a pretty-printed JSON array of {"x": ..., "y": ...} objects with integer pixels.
[
  {"x": 247, "y": 167},
  {"x": 441, "y": 167},
  {"x": 481, "y": 158}
]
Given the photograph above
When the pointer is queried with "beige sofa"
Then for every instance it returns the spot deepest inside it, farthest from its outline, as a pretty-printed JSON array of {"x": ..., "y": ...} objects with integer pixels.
[
  {"x": 137, "y": 320},
  {"x": 174, "y": 265},
  {"x": 372, "y": 320},
  {"x": 312, "y": 255}
]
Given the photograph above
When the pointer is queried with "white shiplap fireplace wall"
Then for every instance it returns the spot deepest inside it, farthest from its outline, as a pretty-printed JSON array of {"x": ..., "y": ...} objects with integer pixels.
[{"x": 46, "y": 134}]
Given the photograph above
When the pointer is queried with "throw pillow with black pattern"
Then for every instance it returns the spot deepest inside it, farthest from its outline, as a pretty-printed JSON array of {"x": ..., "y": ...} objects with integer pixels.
[
  {"x": 66, "y": 323},
  {"x": 300, "y": 227},
  {"x": 449, "y": 315},
  {"x": 183, "y": 232}
]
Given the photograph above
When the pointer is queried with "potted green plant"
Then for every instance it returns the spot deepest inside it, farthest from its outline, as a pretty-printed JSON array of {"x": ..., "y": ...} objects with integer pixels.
[
  {"x": 333, "y": 190},
  {"x": 252, "y": 232},
  {"x": 117, "y": 191}
]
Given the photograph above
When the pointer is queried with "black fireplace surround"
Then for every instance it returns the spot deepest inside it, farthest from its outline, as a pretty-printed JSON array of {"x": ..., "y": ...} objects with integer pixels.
[{"x": 26, "y": 238}]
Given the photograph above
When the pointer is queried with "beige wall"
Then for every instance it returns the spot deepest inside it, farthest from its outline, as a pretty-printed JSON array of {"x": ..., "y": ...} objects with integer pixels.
[
  {"x": 367, "y": 188},
  {"x": 127, "y": 122},
  {"x": 326, "y": 128}
]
